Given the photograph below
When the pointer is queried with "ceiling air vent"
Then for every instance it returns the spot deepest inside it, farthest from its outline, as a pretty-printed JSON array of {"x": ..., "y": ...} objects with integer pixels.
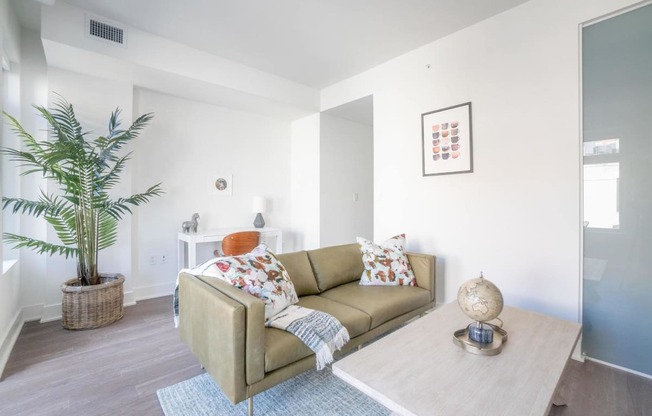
[{"x": 105, "y": 31}]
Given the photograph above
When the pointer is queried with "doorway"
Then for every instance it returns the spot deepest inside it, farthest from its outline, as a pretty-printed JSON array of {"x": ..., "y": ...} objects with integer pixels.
[
  {"x": 346, "y": 173},
  {"x": 617, "y": 195}
]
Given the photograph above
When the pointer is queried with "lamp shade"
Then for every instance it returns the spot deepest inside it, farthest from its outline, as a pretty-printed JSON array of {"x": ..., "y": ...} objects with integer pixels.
[{"x": 259, "y": 205}]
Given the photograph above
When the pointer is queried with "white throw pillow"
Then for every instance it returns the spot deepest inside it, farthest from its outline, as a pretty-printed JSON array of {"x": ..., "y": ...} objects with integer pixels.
[
  {"x": 386, "y": 264},
  {"x": 259, "y": 273}
]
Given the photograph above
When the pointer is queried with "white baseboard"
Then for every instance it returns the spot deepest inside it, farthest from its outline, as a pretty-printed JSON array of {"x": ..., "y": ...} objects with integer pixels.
[
  {"x": 9, "y": 340},
  {"x": 32, "y": 313},
  {"x": 51, "y": 312},
  {"x": 627, "y": 370},
  {"x": 129, "y": 299},
  {"x": 154, "y": 291}
]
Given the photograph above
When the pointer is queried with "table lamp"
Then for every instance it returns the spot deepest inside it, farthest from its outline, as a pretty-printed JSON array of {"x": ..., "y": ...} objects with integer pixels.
[{"x": 259, "y": 206}]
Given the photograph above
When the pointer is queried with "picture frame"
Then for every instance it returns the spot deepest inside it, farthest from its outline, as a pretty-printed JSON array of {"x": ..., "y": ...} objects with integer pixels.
[
  {"x": 221, "y": 185},
  {"x": 447, "y": 140}
]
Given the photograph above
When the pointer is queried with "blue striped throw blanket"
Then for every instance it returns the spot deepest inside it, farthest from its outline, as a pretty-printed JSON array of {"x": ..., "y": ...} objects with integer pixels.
[{"x": 320, "y": 331}]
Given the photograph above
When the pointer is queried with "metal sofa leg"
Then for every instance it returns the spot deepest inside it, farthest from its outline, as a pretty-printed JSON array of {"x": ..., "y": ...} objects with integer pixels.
[{"x": 250, "y": 406}]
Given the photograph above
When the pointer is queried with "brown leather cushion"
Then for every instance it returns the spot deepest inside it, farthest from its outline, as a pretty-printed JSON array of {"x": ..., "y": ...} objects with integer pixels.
[
  {"x": 334, "y": 266},
  {"x": 283, "y": 348},
  {"x": 300, "y": 271},
  {"x": 382, "y": 303},
  {"x": 239, "y": 243}
]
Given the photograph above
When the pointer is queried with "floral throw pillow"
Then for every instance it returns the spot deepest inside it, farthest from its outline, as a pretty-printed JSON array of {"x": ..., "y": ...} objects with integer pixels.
[
  {"x": 386, "y": 263},
  {"x": 259, "y": 273}
]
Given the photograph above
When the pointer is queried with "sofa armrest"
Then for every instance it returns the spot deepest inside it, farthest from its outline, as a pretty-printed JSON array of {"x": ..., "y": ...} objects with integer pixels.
[
  {"x": 225, "y": 329},
  {"x": 423, "y": 266}
]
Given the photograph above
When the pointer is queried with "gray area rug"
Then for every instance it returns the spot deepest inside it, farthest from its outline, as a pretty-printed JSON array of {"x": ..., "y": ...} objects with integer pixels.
[{"x": 311, "y": 393}]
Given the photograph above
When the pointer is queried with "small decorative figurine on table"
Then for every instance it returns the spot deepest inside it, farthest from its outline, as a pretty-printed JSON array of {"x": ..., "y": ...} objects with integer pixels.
[{"x": 190, "y": 226}]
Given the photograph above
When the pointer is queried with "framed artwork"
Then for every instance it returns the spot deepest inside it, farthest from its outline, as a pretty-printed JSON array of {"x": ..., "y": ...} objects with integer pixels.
[
  {"x": 222, "y": 185},
  {"x": 446, "y": 140}
]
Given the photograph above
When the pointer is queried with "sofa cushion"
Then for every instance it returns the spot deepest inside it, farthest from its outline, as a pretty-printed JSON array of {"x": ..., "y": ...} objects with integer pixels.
[
  {"x": 300, "y": 272},
  {"x": 337, "y": 265},
  {"x": 283, "y": 348},
  {"x": 354, "y": 320},
  {"x": 382, "y": 303},
  {"x": 386, "y": 264}
]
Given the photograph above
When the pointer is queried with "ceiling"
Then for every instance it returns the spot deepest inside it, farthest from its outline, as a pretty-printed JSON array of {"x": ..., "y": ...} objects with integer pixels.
[{"x": 312, "y": 42}]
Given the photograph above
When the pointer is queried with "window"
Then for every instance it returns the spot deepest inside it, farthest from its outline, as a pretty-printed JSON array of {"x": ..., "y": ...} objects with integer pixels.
[
  {"x": 10, "y": 92},
  {"x": 601, "y": 184}
]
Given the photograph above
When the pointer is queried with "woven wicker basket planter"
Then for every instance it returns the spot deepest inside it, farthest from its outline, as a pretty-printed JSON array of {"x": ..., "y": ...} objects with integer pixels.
[{"x": 88, "y": 307}]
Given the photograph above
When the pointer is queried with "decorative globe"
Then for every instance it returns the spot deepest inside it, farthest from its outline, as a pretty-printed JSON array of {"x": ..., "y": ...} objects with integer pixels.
[{"x": 480, "y": 299}]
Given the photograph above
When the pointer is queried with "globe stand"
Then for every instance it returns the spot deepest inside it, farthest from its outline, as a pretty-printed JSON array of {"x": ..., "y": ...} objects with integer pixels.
[
  {"x": 480, "y": 332},
  {"x": 462, "y": 339}
]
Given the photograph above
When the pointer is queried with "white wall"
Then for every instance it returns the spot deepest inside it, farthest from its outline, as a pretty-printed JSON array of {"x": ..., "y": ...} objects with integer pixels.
[
  {"x": 186, "y": 147},
  {"x": 346, "y": 170},
  {"x": 20, "y": 284},
  {"x": 305, "y": 186},
  {"x": 517, "y": 217},
  {"x": 9, "y": 32},
  {"x": 10, "y": 317},
  {"x": 33, "y": 91},
  {"x": 10, "y": 181}
]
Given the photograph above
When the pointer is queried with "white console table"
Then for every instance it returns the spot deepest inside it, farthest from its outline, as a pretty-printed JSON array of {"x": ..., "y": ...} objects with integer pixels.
[{"x": 217, "y": 235}]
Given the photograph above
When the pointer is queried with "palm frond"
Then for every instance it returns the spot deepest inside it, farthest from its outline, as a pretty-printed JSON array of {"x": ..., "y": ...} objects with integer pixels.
[
  {"x": 112, "y": 177},
  {"x": 108, "y": 232},
  {"x": 140, "y": 123},
  {"x": 64, "y": 225},
  {"x": 114, "y": 124},
  {"x": 35, "y": 150},
  {"x": 121, "y": 206},
  {"x": 63, "y": 119},
  {"x": 25, "y": 206},
  {"x": 117, "y": 139},
  {"x": 39, "y": 246},
  {"x": 45, "y": 205}
]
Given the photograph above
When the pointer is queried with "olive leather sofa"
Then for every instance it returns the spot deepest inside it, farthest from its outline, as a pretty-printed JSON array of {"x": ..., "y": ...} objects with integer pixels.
[{"x": 225, "y": 326}]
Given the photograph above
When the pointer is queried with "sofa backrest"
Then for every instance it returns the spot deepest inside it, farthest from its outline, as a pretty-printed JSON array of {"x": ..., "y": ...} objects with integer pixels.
[
  {"x": 299, "y": 269},
  {"x": 336, "y": 265}
]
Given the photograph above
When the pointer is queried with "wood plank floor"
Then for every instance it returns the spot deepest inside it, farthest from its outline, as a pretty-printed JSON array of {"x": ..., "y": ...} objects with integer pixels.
[
  {"x": 116, "y": 371},
  {"x": 593, "y": 389}
]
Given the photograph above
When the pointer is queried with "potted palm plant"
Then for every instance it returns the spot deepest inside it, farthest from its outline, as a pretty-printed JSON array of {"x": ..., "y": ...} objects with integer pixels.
[{"x": 83, "y": 214}]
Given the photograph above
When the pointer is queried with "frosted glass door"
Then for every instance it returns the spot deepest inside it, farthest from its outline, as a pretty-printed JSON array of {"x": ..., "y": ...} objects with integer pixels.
[{"x": 617, "y": 190}]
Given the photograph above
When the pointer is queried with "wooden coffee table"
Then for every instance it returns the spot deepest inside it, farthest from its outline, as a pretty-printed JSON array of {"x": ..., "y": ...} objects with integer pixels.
[{"x": 418, "y": 370}]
